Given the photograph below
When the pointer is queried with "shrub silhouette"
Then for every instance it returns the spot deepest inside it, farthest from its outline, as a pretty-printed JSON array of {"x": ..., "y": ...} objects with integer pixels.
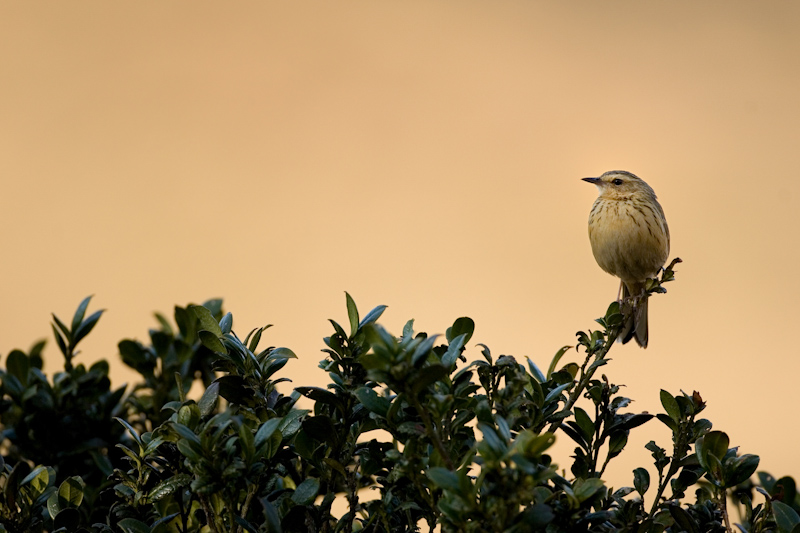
[{"x": 440, "y": 441}]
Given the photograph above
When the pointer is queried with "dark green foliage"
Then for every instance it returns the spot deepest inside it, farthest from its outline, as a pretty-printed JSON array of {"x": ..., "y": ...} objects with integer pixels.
[
  {"x": 65, "y": 423},
  {"x": 407, "y": 435}
]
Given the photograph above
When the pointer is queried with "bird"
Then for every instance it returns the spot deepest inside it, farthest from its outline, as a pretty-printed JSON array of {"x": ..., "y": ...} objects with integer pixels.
[{"x": 630, "y": 240}]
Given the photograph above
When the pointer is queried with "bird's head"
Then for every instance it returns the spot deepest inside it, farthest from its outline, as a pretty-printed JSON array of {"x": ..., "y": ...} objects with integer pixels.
[{"x": 621, "y": 185}]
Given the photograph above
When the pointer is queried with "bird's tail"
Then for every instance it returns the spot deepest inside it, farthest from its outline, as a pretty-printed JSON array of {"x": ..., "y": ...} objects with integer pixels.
[{"x": 635, "y": 312}]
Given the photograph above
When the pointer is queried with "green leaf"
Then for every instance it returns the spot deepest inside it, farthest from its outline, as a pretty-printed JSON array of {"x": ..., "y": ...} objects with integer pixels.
[
  {"x": 586, "y": 488},
  {"x": 189, "y": 415},
  {"x": 786, "y": 517},
  {"x": 668, "y": 421},
  {"x": 683, "y": 519},
  {"x": 163, "y": 521},
  {"x": 206, "y": 319},
  {"x": 444, "y": 479},
  {"x": 422, "y": 350},
  {"x": 168, "y": 486},
  {"x": 70, "y": 493},
  {"x": 64, "y": 329},
  {"x": 80, "y": 312},
  {"x": 62, "y": 345},
  {"x": 556, "y": 358},
  {"x": 641, "y": 480},
  {"x": 502, "y": 428},
  {"x": 585, "y": 424},
  {"x": 214, "y": 305},
  {"x": 372, "y": 401},
  {"x": 226, "y": 324},
  {"x": 17, "y": 365},
  {"x": 532, "y": 445},
  {"x": 537, "y": 516},
  {"x": 130, "y": 453},
  {"x": 352, "y": 314},
  {"x": 494, "y": 442},
  {"x": 212, "y": 342},
  {"x": 209, "y": 399},
  {"x": 282, "y": 353},
  {"x": 132, "y": 431},
  {"x": 256, "y": 338},
  {"x": 233, "y": 389},
  {"x": 787, "y": 487},
  {"x": 131, "y": 525},
  {"x": 670, "y": 405},
  {"x": 555, "y": 393},
  {"x": 323, "y": 396},
  {"x": 186, "y": 434},
  {"x": 292, "y": 422},
  {"x": 271, "y": 517},
  {"x": 454, "y": 350},
  {"x": 265, "y": 431},
  {"x": 190, "y": 450},
  {"x": 306, "y": 491},
  {"x": 52, "y": 505},
  {"x": 617, "y": 442},
  {"x": 164, "y": 323},
  {"x": 35, "y": 354},
  {"x": 428, "y": 375},
  {"x": 713, "y": 444},
  {"x": 462, "y": 326},
  {"x": 86, "y": 326},
  {"x": 535, "y": 371},
  {"x": 715, "y": 470},
  {"x": 39, "y": 479},
  {"x": 152, "y": 446},
  {"x": 595, "y": 364},
  {"x": 632, "y": 420},
  {"x": 659, "y": 454},
  {"x": 247, "y": 443},
  {"x": 740, "y": 469},
  {"x": 372, "y": 316}
]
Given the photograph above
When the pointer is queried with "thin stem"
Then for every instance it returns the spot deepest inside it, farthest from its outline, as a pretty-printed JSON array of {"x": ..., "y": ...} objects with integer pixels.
[
  {"x": 210, "y": 519},
  {"x": 613, "y": 333},
  {"x": 352, "y": 488},
  {"x": 251, "y": 491},
  {"x": 597, "y": 443},
  {"x": 587, "y": 377},
  {"x": 673, "y": 469},
  {"x": 722, "y": 501},
  {"x": 432, "y": 432},
  {"x": 679, "y": 451}
]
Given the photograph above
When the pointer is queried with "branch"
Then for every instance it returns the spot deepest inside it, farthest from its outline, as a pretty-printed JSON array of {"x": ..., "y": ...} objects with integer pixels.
[
  {"x": 586, "y": 377},
  {"x": 610, "y": 333}
]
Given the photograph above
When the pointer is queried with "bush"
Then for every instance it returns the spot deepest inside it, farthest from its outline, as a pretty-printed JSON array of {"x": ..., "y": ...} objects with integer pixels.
[{"x": 440, "y": 441}]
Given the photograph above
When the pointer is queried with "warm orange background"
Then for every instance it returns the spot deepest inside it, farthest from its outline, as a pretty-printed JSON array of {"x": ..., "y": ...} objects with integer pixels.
[{"x": 423, "y": 155}]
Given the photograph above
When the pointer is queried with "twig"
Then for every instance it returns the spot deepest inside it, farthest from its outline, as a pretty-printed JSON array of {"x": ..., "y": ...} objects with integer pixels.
[
  {"x": 587, "y": 377},
  {"x": 250, "y": 493},
  {"x": 212, "y": 524},
  {"x": 722, "y": 501},
  {"x": 432, "y": 432}
]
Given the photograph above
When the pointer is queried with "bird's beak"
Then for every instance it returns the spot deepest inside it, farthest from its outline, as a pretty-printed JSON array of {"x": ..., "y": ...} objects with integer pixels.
[{"x": 594, "y": 181}]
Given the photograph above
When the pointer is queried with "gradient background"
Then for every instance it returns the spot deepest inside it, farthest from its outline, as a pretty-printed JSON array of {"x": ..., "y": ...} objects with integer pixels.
[{"x": 423, "y": 155}]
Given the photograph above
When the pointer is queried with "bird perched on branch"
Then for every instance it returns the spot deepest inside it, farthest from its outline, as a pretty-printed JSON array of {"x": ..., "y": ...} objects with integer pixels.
[{"x": 630, "y": 240}]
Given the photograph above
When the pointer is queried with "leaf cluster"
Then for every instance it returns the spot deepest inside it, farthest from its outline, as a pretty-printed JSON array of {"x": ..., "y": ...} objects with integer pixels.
[{"x": 409, "y": 433}]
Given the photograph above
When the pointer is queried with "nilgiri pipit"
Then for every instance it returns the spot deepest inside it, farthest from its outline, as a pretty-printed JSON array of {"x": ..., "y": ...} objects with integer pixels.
[{"x": 630, "y": 240}]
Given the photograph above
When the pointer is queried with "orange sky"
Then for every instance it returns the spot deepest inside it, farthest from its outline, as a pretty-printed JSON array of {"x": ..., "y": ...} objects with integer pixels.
[{"x": 426, "y": 156}]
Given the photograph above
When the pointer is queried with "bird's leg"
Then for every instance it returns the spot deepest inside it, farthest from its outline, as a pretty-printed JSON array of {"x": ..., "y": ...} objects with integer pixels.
[{"x": 642, "y": 294}]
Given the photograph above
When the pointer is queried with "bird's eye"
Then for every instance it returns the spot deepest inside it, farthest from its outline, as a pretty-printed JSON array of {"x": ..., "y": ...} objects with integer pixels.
[{"x": 617, "y": 181}]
